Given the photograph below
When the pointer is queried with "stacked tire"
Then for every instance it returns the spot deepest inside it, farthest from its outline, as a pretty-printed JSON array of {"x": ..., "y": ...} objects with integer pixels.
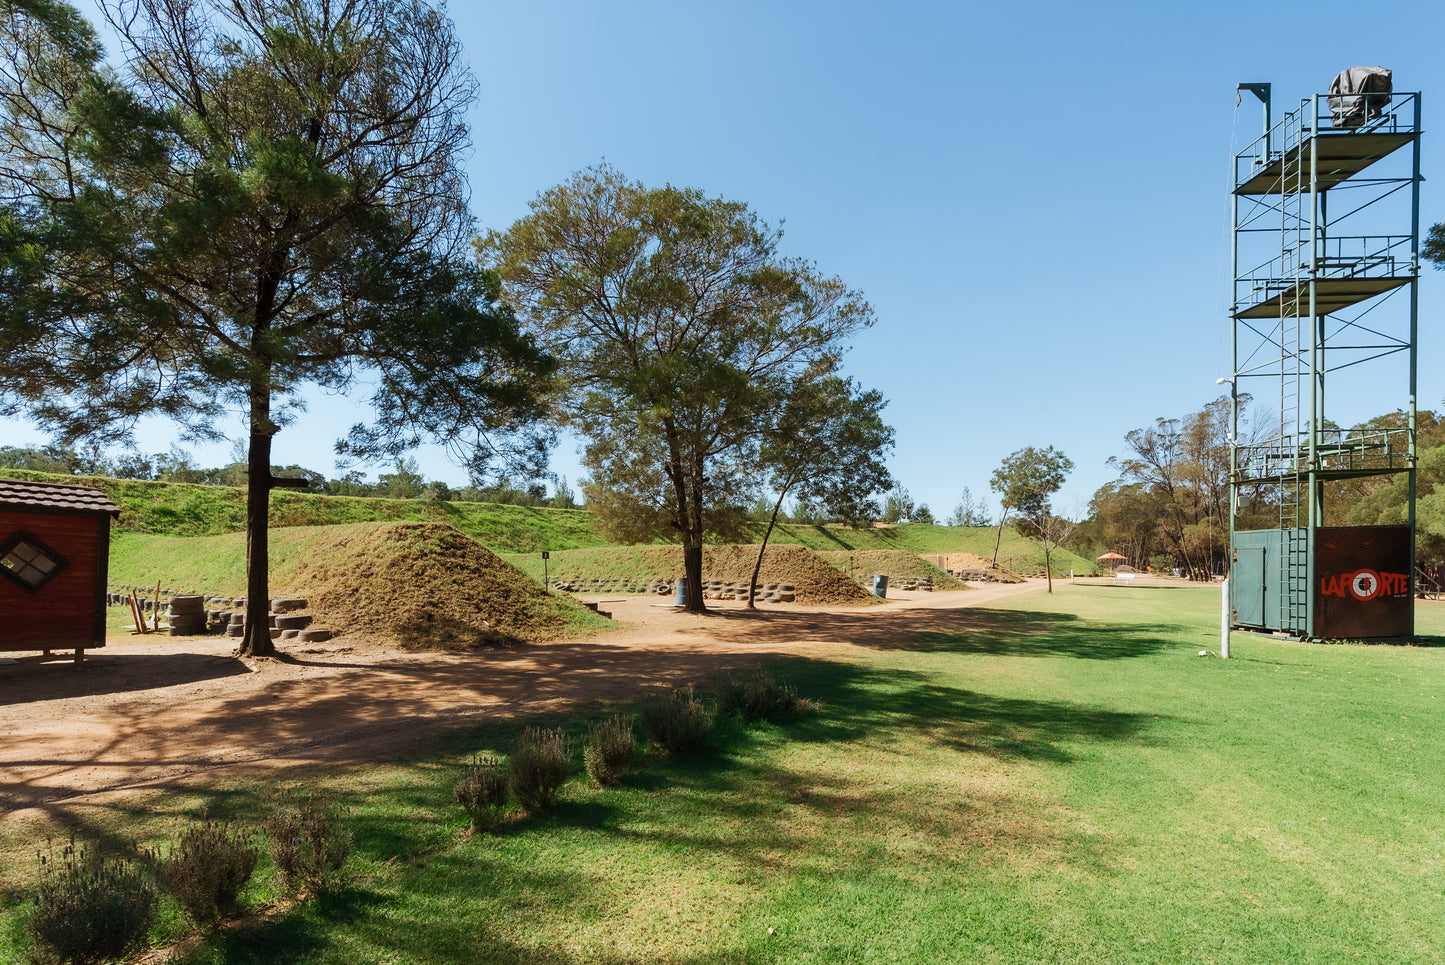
[{"x": 186, "y": 615}]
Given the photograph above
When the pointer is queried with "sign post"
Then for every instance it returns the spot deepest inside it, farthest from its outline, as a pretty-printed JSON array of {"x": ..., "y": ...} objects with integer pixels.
[{"x": 545, "y": 557}]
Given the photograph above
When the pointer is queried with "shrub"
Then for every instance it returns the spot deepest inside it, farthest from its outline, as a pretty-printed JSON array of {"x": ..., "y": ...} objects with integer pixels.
[
  {"x": 88, "y": 909},
  {"x": 538, "y": 767},
  {"x": 309, "y": 845},
  {"x": 677, "y": 723},
  {"x": 482, "y": 792},
  {"x": 609, "y": 750},
  {"x": 208, "y": 869},
  {"x": 760, "y": 697}
]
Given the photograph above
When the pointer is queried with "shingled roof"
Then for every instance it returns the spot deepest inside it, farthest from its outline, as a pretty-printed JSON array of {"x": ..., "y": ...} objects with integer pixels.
[{"x": 53, "y": 496}]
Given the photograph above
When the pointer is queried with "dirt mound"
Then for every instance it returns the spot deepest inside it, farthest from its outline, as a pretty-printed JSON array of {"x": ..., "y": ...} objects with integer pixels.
[
  {"x": 817, "y": 583},
  {"x": 973, "y": 562},
  {"x": 425, "y": 586},
  {"x": 900, "y": 565}
]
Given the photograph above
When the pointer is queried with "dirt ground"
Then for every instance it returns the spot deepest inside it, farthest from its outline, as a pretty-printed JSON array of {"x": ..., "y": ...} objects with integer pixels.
[{"x": 154, "y": 710}]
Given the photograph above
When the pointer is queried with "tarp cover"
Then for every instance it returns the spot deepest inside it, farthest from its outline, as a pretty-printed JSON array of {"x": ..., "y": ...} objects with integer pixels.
[{"x": 1359, "y": 94}]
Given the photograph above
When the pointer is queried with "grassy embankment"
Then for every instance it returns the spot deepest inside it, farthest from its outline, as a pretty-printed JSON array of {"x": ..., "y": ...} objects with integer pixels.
[
  {"x": 153, "y": 514},
  {"x": 181, "y": 509},
  {"x": 1052, "y": 779}
]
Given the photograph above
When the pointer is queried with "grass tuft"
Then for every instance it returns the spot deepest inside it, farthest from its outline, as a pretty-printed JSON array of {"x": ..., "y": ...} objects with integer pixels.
[
  {"x": 483, "y": 792},
  {"x": 681, "y": 722},
  {"x": 310, "y": 843},
  {"x": 207, "y": 869},
  {"x": 89, "y": 908},
  {"x": 609, "y": 750},
  {"x": 539, "y": 764}
]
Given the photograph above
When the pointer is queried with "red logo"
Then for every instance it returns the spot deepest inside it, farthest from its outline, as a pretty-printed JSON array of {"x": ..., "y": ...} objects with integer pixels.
[{"x": 1365, "y": 584}]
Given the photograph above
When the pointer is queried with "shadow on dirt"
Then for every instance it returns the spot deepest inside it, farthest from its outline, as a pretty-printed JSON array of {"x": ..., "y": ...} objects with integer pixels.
[{"x": 24, "y": 683}]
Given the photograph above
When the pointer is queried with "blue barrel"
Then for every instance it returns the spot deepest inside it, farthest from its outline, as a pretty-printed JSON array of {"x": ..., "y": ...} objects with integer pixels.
[
  {"x": 880, "y": 584},
  {"x": 682, "y": 591}
]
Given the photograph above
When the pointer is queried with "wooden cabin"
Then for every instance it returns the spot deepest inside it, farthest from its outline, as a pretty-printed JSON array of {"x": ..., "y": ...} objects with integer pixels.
[{"x": 54, "y": 553}]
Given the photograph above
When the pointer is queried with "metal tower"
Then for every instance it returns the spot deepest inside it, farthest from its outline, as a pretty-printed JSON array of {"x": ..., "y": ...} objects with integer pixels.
[{"x": 1326, "y": 239}]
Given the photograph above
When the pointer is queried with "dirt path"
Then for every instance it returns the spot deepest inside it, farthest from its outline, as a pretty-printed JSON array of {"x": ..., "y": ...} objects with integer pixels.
[{"x": 147, "y": 711}]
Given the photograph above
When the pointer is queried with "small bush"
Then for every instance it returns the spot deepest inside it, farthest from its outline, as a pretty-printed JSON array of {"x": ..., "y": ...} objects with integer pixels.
[
  {"x": 482, "y": 792},
  {"x": 761, "y": 697},
  {"x": 208, "y": 869},
  {"x": 310, "y": 843},
  {"x": 609, "y": 750},
  {"x": 89, "y": 909},
  {"x": 678, "y": 723},
  {"x": 540, "y": 762}
]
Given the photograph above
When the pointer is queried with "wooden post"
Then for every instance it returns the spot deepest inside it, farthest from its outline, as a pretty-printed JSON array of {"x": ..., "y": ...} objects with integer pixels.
[
  {"x": 156, "y": 612},
  {"x": 140, "y": 624}
]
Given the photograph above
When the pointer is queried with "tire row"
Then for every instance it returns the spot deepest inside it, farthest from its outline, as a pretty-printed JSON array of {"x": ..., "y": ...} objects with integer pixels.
[
  {"x": 192, "y": 614},
  {"x": 764, "y": 592},
  {"x": 580, "y": 585}
]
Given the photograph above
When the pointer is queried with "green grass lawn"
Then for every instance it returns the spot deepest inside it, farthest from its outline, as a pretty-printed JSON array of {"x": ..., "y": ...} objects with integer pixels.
[{"x": 1060, "y": 779}]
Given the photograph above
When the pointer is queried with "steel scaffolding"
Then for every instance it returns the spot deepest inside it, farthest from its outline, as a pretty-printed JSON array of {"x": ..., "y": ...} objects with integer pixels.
[{"x": 1325, "y": 250}]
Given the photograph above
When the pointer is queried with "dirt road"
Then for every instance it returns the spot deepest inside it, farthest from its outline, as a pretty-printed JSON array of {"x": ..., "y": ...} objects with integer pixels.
[{"x": 151, "y": 710}]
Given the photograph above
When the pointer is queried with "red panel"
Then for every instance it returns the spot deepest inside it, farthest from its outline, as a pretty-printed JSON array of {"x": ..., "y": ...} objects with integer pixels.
[
  {"x": 62, "y": 614},
  {"x": 1362, "y": 582}
]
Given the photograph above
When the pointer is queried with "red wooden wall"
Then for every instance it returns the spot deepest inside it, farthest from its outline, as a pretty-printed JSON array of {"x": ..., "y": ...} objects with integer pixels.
[{"x": 63, "y": 614}]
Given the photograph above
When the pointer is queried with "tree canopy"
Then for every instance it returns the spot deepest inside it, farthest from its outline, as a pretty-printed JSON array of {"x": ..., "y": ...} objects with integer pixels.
[
  {"x": 267, "y": 195},
  {"x": 825, "y": 443},
  {"x": 680, "y": 329}
]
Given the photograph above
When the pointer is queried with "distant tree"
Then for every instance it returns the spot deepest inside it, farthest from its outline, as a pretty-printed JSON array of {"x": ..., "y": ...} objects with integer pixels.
[
  {"x": 1387, "y": 504},
  {"x": 270, "y": 195},
  {"x": 352, "y": 483},
  {"x": 826, "y": 443},
  {"x": 898, "y": 506},
  {"x": 132, "y": 465},
  {"x": 923, "y": 514},
  {"x": 969, "y": 511},
  {"x": 406, "y": 482},
  {"x": 808, "y": 513},
  {"x": 678, "y": 325},
  {"x": 1434, "y": 247},
  {"x": 564, "y": 497},
  {"x": 1183, "y": 466},
  {"x": 1026, "y": 481},
  {"x": 52, "y": 459}
]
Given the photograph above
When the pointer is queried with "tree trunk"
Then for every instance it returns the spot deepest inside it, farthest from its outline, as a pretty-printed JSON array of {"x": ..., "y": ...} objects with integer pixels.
[
  {"x": 999, "y": 541},
  {"x": 257, "y": 640},
  {"x": 758, "y": 566},
  {"x": 692, "y": 572}
]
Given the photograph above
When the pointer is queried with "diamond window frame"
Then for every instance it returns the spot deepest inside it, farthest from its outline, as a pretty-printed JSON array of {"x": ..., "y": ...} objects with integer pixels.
[{"x": 21, "y": 568}]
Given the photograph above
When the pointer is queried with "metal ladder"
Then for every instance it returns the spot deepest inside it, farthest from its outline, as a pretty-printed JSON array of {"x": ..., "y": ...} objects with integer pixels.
[{"x": 1296, "y": 244}]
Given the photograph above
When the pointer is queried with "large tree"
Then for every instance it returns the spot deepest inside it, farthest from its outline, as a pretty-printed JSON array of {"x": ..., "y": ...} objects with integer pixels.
[
  {"x": 678, "y": 325},
  {"x": 266, "y": 196}
]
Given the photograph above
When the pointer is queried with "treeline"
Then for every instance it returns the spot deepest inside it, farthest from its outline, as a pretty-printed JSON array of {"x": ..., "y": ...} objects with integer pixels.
[
  {"x": 1169, "y": 507},
  {"x": 405, "y": 481}
]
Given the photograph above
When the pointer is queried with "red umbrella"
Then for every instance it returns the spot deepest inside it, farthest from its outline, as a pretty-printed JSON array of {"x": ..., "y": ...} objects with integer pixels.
[{"x": 1113, "y": 558}]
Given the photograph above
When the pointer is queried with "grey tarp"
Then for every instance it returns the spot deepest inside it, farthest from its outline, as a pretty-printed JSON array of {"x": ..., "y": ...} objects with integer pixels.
[{"x": 1358, "y": 95}]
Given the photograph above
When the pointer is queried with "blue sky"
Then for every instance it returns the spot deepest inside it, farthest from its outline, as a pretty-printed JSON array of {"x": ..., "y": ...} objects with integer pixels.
[{"x": 1033, "y": 196}]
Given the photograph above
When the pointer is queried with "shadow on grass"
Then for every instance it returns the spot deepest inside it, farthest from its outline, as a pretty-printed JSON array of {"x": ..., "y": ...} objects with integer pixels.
[
  {"x": 739, "y": 807},
  {"x": 975, "y": 630}
]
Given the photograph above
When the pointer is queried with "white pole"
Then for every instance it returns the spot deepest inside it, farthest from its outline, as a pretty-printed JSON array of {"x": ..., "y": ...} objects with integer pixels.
[{"x": 1224, "y": 619}]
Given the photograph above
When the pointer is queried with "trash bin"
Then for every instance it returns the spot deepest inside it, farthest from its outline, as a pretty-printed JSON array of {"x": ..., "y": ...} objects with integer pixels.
[
  {"x": 682, "y": 591},
  {"x": 880, "y": 584}
]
